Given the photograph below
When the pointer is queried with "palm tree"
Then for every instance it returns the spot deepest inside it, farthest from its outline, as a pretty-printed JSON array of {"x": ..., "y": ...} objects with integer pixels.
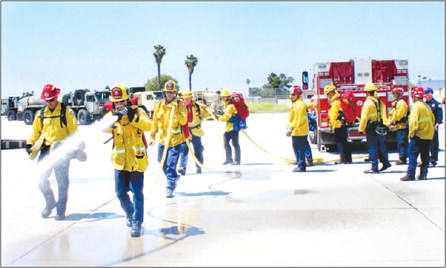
[
  {"x": 248, "y": 83},
  {"x": 160, "y": 51},
  {"x": 191, "y": 63}
]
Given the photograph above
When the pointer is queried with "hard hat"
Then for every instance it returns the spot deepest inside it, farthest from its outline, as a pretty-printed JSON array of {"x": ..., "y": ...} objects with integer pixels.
[
  {"x": 120, "y": 92},
  {"x": 428, "y": 90},
  {"x": 225, "y": 93},
  {"x": 417, "y": 91},
  {"x": 49, "y": 92},
  {"x": 329, "y": 88},
  {"x": 170, "y": 86},
  {"x": 370, "y": 87},
  {"x": 296, "y": 90},
  {"x": 397, "y": 90},
  {"x": 186, "y": 93}
]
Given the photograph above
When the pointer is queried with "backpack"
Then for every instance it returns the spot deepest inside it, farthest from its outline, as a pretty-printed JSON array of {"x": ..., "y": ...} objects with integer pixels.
[
  {"x": 312, "y": 121},
  {"x": 63, "y": 115},
  {"x": 348, "y": 105},
  {"x": 239, "y": 103}
]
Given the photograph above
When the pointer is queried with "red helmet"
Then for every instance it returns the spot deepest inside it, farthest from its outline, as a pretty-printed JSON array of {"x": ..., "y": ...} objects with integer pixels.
[
  {"x": 296, "y": 90},
  {"x": 417, "y": 91},
  {"x": 49, "y": 92},
  {"x": 398, "y": 90}
]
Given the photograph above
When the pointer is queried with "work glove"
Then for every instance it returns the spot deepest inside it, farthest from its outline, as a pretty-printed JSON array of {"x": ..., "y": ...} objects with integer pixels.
[
  {"x": 131, "y": 113},
  {"x": 289, "y": 132},
  {"x": 120, "y": 110},
  {"x": 28, "y": 148}
]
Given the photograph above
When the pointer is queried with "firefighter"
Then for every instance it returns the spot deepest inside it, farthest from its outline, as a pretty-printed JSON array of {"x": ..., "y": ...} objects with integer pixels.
[
  {"x": 421, "y": 129},
  {"x": 339, "y": 124},
  {"x": 170, "y": 137},
  {"x": 53, "y": 124},
  {"x": 398, "y": 121},
  {"x": 232, "y": 129},
  {"x": 129, "y": 155},
  {"x": 373, "y": 114},
  {"x": 193, "y": 130},
  {"x": 437, "y": 111},
  {"x": 298, "y": 127}
]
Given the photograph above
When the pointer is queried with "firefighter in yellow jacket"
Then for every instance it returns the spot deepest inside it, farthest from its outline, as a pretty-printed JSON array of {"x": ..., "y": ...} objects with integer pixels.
[
  {"x": 51, "y": 125},
  {"x": 338, "y": 122},
  {"x": 398, "y": 121},
  {"x": 129, "y": 155},
  {"x": 169, "y": 133},
  {"x": 421, "y": 129},
  {"x": 374, "y": 112},
  {"x": 196, "y": 113},
  {"x": 232, "y": 128},
  {"x": 298, "y": 128}
]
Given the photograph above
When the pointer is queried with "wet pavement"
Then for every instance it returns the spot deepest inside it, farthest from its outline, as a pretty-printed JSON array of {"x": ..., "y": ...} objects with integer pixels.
[{"x": 255, "y": 214}]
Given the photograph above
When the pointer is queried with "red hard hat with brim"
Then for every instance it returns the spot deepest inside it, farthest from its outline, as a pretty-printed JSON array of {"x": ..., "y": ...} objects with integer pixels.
[{"x": 49, "y": 92}]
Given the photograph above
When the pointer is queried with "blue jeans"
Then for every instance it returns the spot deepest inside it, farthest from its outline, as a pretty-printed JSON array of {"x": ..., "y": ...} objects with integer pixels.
[
  {"x": 377, "y": 149},
  {"x": 232, "y": 136},
  {"x": 308, "y": 153},
  {"x": 134, "y": 181},
  {"x": 61, "y": 171},
  {"x": 170, "y": 164},
  {"x": 402, "y": 144},
  {"x": 418, "y": 146},
  {"x": 299, "y": 144},
  {"x": 434, "y": 148},
  {"x": 198, "y": 152}
]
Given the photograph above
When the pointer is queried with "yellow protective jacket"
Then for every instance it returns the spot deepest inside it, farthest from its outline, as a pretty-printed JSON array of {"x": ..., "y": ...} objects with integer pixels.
[
  {"x": 199, "y": 113},
  {"x": 160, "y": 124},
  {"x": 129, "y": 151},
  {"x": 398, "y": 111},
  {"x": 229, "y": 112},
  {"x": 298, "y": 121},
  {"x": 52, "y": 126},
  {"x": 421, "y": 121},
  {"x": 334, "y": 112},
  {"x": 369, "y": 112}
]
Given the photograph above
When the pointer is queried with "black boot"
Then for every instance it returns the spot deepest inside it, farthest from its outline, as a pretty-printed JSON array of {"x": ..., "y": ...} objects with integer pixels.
[{"x": 136, "y": 230}]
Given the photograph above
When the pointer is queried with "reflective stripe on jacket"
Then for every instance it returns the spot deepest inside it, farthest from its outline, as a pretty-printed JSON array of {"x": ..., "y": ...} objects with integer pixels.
[
  {"x": 369, "y": 112},
  {"x": 160, "y": 124},
  {"x": 52, "y": 125},
  {"x": 421, "y": 121},
  {"x": 129, "y": 151},
  {"x": 298, "y": 120}
]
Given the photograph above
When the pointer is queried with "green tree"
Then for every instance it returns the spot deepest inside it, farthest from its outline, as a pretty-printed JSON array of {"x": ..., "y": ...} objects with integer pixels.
[
  {"x": 280, "y": 82},
  {"x": 160, "y": 51},
  {"x": 152, "y": 84},
  {"x": 254, "y": 91},
  {"x": 191, "y": 63}
]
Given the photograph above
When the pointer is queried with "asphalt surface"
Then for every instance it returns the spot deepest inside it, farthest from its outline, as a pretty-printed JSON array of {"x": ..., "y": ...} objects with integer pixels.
[{"x": 257, "y": 214}]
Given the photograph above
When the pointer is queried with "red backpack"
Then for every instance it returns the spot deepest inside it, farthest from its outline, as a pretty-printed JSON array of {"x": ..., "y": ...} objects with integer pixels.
[
  {"x": 348, "y": 105},
  {"x": 239, "y": 103}
]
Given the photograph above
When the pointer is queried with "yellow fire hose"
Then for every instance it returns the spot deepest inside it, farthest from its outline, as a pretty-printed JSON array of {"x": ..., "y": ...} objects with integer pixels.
[{"x": 191, "y": 150}]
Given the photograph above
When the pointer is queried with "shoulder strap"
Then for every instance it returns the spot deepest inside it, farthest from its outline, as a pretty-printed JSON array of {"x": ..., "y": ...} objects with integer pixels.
[{"x": 63, "y": 115}]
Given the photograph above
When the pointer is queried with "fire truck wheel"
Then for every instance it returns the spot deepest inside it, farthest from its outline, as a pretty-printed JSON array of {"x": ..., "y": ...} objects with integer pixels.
[
  {"x": 83, "y": 117},
  {"x": 11, "y": 115},
  {"x": 28, "y": 117}
]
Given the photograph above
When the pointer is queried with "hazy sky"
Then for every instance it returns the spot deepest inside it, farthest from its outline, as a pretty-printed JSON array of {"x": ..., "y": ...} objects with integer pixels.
[{"x": 94, "y": 44}]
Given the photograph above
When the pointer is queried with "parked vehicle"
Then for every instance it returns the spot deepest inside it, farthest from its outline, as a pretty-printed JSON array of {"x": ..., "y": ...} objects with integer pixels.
[
  {"x": 87, "y": 105},
  {"x": 148, "y": 99},
  {"x": 351, "y": 76}
]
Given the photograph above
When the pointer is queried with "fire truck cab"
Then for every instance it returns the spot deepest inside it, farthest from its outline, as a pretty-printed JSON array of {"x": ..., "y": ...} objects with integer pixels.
[{"x": 351, "y": 76}]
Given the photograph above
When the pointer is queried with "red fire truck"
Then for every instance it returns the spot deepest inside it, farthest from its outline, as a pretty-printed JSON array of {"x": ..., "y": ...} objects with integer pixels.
[{"x": 351, "y": 76}]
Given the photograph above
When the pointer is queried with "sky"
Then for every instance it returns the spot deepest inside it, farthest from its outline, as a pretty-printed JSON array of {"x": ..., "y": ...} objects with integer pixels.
[{"x": 95, "y": 44}]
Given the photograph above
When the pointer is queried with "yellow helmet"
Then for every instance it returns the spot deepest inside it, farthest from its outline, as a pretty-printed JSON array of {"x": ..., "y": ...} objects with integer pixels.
[
  {"x": 186, "y": 93},
  {"x": 225, "y": 93},
  {"x": 170, "y": 86},
  {"x": 370, "y": 87},
  {"x": 119, "y": 92},
  {"x": 329, "y": 88}
]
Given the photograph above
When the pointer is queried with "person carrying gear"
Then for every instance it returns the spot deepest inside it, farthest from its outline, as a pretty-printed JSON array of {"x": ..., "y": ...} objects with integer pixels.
[
  {"x": 169, "y": 133},
  {"x": 298, "y": 128},
  {"x": 373, "y": 114},
  {"x": 232, "y": 129},
  {"x": 398, "y": 121},
  {"x": 339, "y": 124},
  {"x": 195, "y": 115},
  {"x": 437, "y": 111},
  {"x": 129, "y": 155},
  {"x": 311, "y": 116},
  {"x": 421, "y": 129},
  {"x": 48, "y": 130}
]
